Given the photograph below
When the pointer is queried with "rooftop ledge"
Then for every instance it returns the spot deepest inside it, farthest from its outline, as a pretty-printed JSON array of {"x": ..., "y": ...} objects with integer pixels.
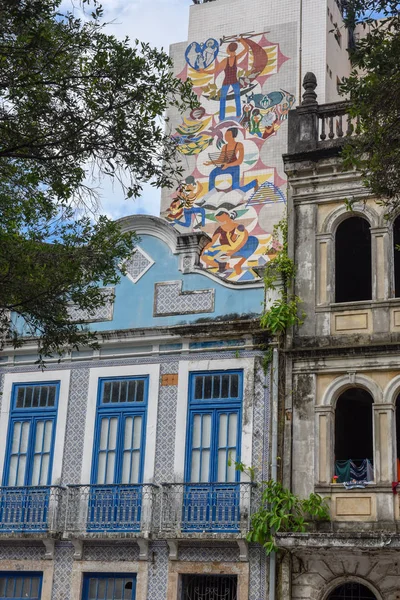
[{"x": 358, "y": 540}]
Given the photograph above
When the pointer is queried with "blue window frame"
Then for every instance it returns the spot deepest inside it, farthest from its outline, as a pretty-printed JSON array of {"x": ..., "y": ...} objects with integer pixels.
[
  {"x": 212, "y": 447},
  {"x": 102, "y": 586},
  {"x": 25, "y": 495},
  {"x": 20, "y": 586},
  {"x": 118, "y": 458}
]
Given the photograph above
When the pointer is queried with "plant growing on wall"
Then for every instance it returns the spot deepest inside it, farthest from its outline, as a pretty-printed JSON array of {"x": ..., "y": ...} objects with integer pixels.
[
  {"x": 281, "y": 511},
  {"x": 284, "y": 311}
]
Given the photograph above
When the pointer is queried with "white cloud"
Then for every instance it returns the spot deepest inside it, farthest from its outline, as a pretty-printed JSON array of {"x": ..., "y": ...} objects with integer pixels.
[{"x": 160, "y": 23}]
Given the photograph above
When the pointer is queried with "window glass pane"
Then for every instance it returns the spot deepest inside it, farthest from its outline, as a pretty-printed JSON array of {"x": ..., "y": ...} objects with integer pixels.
[
  {"x": 104, "y": 434},
  {"x": 217, "y": 386},
  {"x": 198, "y": 388},
  {"x": 92, "y": 588},
  {"x": 110, "y": 589},
  {"x": 112, "y": 436},
  {"x": 232, "y": 431},
  {"x": 36, "y": 396},
  {"x": 140, "y": 390},
  {"x": 2, "y": 586},
  {"x": 18, "y": 587},
  {"x": 101, "y": 589},
  {"x": 135, "y": 467},
  {"x": 16, "y": 438},
  {"x": 24, "y": 436},
  {"x": 234, "y": 385},
  {"x": 225, "y": 386},
  {"x": 137, "y": 432},
  {"x": 35, "y": 587},
  {"x": 223, "y": 427},
  {"x": 20, "y": 397},
  {"x": 36, "y": 469},
  {"x": 196, "y": 431},
  {"x": 28, "y": 397},
  {"x": 206, "y": 437},
  {"x": 131, "y": 391},
  {"x": 194, "y": 476},
  {"x": 110, "y": 467},
  {"x": 51, "y": 399},
  {"x": 21, "y": 471},
  {"x": 39, "y": 436},
  {"x": 12, "y": 475},
  {"x": 128, "y": 587},
  {"x": 205, "y": 466},
  {"x": 101, "y": 469},
  {"x": 47, "y": 436},
  {"x": 128, "y": 433},
  {"x": 221, "y": 465},
  {"x": 115, "y": 391},
  {"x": 126, "y": 467},
  {"x": 10, "y": 588},
  {"x": 45, "y": 469},
  {"x": 123, "y": 391},
  {"x": 207, "y": 387},
  {"x": 231, "y": 467},
  {"x": 118, "y": 595},
  {"x": 106, "y": 392}
]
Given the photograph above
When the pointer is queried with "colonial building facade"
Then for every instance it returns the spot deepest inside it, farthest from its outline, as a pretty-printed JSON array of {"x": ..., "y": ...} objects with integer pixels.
[
  {"x": 118, "y": 475},
  {"x": 342, "y": 406}
]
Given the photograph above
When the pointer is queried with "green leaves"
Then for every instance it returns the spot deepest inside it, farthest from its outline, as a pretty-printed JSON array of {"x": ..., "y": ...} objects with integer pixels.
[
  {"x": 374, "y": 90},
  {"x": 284, "y": 312},
  {"x": 73, "y": 100},
  {"x": 281, "y": 511}
]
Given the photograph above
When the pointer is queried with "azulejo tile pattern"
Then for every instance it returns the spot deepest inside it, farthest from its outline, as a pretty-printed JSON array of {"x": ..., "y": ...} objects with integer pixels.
[
  {"x": 24, "y": 551},
  {"x": 169, "y": 299},
  {"x": 121, "y": 552},
  {"x": 138, "y": 264},
  {"x": 62, "y": 572},
  {"x": 75, "y": 431},
  {"x": 158, "y": 572},
  {"x": 102, "y": 313},
  {"x": 211, "y": 553},
  {"x": 165, "y": 445}
]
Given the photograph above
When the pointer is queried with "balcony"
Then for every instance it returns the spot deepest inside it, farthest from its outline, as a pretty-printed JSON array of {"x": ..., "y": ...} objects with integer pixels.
[
  {"x": 29, "y": 510},
  {"x": 98, "y": 511},
  {"x": 206, "y": 509}
]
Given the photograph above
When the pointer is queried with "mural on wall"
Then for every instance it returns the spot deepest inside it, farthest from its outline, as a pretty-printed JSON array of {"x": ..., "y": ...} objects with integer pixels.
[{"x": 231, "y": 193}]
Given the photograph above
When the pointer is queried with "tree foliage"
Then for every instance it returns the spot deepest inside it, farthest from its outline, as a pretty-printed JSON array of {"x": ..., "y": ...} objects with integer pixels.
[
  {"x": 73, "y": 101},
  {"x": 374, "y": 90}
]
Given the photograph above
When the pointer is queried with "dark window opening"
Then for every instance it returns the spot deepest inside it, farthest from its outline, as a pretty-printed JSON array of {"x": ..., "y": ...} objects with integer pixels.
[
  {"x": 207, "y": 587},
  {"x": 354, "y": 436},
  {"x": 353, "y": 267},
  {"x": 398, "y": 437},
  {"x": 396, "y": 244},
  {"x": 352, "y": 591}
]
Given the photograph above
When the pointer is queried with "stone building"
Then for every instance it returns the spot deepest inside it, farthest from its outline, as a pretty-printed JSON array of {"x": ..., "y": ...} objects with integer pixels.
[
  {"x": 117, "y": 465},
  {"x": 342, "y": 404}
]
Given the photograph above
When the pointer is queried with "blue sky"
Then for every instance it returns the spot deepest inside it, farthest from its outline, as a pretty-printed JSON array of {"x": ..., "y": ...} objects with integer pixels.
[{"x": 161, "y": 23}]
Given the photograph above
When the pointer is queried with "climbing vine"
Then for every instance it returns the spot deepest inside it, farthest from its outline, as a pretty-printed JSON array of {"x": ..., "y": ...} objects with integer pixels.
[
  {"x": 281, "y": 511},
  {"x": 280, "y": 272}
]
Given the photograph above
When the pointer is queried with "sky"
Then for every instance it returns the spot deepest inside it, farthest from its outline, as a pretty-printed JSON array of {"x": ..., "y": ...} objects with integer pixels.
[{"x": 160, "y": 23}]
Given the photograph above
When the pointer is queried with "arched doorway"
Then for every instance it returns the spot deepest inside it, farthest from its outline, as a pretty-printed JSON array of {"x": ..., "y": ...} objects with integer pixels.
[
  {"x": 354, "y": 436},
  {"x": 351, "y": 591},
  {"x": 398, "y": 437}
]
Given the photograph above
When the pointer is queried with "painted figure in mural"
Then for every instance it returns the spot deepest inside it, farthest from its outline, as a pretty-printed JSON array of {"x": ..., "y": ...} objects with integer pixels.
[
  {"x": 229, "y": 241},
  {"x": 255, "y": 121},
  {"x": 228, "y": 162},
  {"x": 201, "y": 56},
  {"x": 183, "y": 205},
  {"x": 230, "y": 68}
]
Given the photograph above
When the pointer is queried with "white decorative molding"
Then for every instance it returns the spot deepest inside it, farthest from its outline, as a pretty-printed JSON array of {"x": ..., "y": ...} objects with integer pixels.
[
  {"x": 173, "y": 546},
  {"x": 143, "y": 548},
  {"x": 138, "y": 264},
  {"x": 49, "y": 544},
  {"x": 243, "y": 550},
  {"x": 169, "y": 299},
  {"x": 78, "y": 549}
]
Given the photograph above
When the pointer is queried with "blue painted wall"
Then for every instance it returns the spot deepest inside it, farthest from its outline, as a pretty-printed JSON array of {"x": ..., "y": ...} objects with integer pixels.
[{"x": 134, "y": 301}]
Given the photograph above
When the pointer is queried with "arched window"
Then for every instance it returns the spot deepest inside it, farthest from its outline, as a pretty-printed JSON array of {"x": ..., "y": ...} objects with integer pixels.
[
  {"x": 353, "y": 267},
  {"x": 398, "y": 437},
  {"x": 396, "y": 250},
  {"x": 354, "y": 436},
  {"x": 352, "y": 591}
]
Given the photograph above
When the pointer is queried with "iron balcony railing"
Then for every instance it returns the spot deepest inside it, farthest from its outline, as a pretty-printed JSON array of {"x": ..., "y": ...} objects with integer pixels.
[
  {"x": 29, "y": 509},
  {"x": 206, "y": 507},
  {"x": 102, "y": 509}
]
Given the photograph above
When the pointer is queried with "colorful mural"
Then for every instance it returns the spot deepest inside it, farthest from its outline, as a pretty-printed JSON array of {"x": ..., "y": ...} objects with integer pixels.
[{"x": 231, "y": 193}]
